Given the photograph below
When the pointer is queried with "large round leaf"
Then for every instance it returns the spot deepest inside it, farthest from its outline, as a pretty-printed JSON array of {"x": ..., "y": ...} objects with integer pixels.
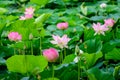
[{"x": 26, "y": 63}]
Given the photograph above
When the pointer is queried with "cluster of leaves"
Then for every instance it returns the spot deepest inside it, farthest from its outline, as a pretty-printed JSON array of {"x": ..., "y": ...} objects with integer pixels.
[{"x": 100, "y": 60}]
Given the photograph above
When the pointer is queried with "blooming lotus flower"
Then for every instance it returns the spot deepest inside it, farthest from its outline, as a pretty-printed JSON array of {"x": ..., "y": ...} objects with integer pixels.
[
  {"x": 14, "y": 36},
  {"x": 51, "y": 54},
  {"x": 28, "y": 16},
  {"x": 29, "y": 12},
  {"x": 63, "y": 25},
  {"x": 60, "y": 41},
  {"x": 109, "y": 22},
  {"x": 99, "y": 29},
  {"x": 103, "y": 5}
]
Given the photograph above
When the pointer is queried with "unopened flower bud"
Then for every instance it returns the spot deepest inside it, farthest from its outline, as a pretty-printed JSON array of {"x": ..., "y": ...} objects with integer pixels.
[
  {"x": 80, "y": 52},
  {"x": 80, "y": 40},
  {"x": 51, "y": 54},
  {"x": 74, "y": 30},
  {"x": 62, "y": 26},
  {"x": 31, "y": 36},
  {"x": 76, "y": 59},
  {"x": 103, "y": 5},
  {"x": 76, "y": 50}
]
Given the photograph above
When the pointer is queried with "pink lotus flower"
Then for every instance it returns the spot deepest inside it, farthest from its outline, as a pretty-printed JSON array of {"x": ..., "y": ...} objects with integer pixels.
[
  {"x": 28, "y": 16},
  {"x": 51, "y": 54},
  {"x": 109, "y": 22},
  {"x": 99, "y": 29},
  {"x": 14, "y": 36},
  {"x": 29, "y": 12},
  {"x": 63, "y": 25},
  {"x": 60, "y": 41},
  {"x": 22, "y": 17}
]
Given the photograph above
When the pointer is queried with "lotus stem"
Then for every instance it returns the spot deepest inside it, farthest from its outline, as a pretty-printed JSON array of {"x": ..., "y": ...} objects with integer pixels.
[
  {"x": 40, "y": 45},
  {"x": 61, "y": 56},
  {"x": 53, "y": 71},
  {"x": 78, "y": 69},
  {"x": 31, "y": 48},
  {"x": 64, "y": 52}
]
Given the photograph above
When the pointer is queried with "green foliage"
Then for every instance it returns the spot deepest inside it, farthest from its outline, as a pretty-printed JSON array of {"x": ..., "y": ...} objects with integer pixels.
[
  {"x": 42, "y": 18},
  {"x": 69, "y": 58},
  {"x": 2, "y": 61},
  {"x": 51, "y": 79},
  {"x": 108, "y": 46},
  {"x": 88, "y": 34},
  {"x": 2, "y": 25},
  {"x": 40, "y": 2},
  {"x": 26, "y": 63},
  {"x": 5, "y": 3},
  {"x": 96, "y": 74},
  {"x": 114, "y": 54},
  {"x": 101, "y": 53},
  {"x": 25, "y": 28},
  {"x": 91, "y": 59},
  {"x": 3, "y": 10},
  {"x": 91, "y": 46},
  {"x": 116, "y": 72},
  {"x": 68, "y": 69}
]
